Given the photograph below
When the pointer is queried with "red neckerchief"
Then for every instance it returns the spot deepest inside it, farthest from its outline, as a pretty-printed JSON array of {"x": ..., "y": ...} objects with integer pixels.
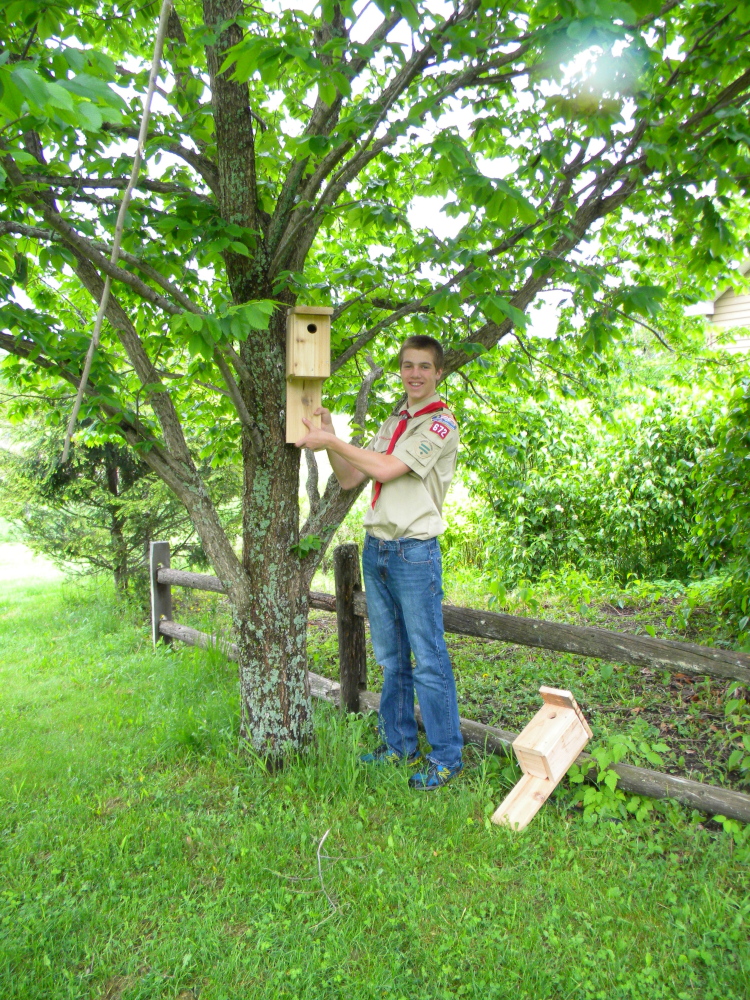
[{"x": 404, "y": 417}]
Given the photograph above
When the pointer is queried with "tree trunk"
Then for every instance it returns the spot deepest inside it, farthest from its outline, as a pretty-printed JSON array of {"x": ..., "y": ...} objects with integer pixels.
[
  {"x": 121, "y": 569},
  {"x": 119, "y": 546},
  {"x": 271, "y": 618},
  {"x": 269, "y": 599}
]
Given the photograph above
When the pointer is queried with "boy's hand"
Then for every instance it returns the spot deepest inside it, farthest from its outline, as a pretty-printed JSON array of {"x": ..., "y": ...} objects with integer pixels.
[
  {"x": 326, "y": 423},
  {"x": 316, "y": 439}
]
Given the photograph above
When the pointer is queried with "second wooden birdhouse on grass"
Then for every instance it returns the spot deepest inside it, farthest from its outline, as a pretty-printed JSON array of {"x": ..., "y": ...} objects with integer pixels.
[
  {"x": 545, "y": 750},
  {"x": 308, "y": 364}
]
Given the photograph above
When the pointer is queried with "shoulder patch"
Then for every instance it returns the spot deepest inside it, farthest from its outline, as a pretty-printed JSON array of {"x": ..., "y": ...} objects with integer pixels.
[
  {"x": 446, "y": 418},
  {"x": 440, "y": 428}
]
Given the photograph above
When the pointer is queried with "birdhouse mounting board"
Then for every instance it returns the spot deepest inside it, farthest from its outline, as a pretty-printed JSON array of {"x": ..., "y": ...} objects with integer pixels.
[
  {"x": 303, "y": 397},
  {"x": 545, "y": 750}
]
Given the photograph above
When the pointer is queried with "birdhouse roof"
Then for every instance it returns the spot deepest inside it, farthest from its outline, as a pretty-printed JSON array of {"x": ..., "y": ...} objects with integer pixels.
[
  {"x": 310, "y": 310},
  {"x": 557, "y": 696}
]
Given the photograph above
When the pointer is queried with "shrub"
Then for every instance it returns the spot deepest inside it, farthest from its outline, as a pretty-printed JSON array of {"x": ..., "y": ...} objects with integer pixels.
[
  {"x": 614, "y": 499},
  {"x": 722, "y": 535}
]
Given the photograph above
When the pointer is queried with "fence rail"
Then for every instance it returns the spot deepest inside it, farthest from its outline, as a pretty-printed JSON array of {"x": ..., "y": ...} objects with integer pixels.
[
  {"x": 350, "y": 607},
  {"x": 583, "y": 640},
  {"x": 637, "y": 780}
]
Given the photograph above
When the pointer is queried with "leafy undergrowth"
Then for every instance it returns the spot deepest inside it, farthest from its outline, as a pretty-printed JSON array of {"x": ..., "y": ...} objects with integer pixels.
[
  {"x": 142, "y": 857},
  {"x": 694, "y": 726}
]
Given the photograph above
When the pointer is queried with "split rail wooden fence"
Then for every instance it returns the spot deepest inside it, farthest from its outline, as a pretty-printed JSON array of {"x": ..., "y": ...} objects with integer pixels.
[{"x": 349, "y": 604}]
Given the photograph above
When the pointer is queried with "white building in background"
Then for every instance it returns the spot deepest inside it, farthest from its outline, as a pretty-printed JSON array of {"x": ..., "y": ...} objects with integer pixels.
[{"x": 728, "y": 310}]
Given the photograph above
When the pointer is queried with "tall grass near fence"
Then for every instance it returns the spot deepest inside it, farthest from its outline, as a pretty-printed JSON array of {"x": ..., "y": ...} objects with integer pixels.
[{"x": 141, "y": 857}]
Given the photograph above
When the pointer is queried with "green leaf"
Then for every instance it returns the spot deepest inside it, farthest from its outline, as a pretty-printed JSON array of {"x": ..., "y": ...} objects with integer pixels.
[
  {"x": 32, "y": 86},
  {"x": 94, "y": 89},
  {"x": 734, "y": 759},
  {"x": 644, "y": 299},
  {"x": 90, "y": 116},
  {"x": 327, "y": 91},
  {"x": 306, "y": 545},
  {"x": 610, "y": 779},
  {"x": 498, "y": 309},
  {"x": 194, "y": 322}
]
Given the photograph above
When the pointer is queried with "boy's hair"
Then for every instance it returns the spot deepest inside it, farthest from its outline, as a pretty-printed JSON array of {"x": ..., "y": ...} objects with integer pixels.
[{"x": 421, "y": 342}]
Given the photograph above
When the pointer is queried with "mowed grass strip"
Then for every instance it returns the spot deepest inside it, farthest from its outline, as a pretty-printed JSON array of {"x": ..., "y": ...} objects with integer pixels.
[{"x": 142, "y": 857}]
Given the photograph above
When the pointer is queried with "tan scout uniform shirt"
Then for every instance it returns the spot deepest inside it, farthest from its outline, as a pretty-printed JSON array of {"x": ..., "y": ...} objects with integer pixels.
[{"x": 411, "y": 505}]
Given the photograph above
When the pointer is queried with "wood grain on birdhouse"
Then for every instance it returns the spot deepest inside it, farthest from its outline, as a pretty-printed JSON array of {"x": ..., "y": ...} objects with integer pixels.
[
  {"x": 308, "y": 342},
  {"x": 303, "y": 397},
  {"x": 545, "y": 750}
]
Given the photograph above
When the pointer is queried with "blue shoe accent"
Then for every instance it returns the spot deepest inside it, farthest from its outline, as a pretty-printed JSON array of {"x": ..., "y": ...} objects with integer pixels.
[
  {"x": 435, "y": 777},
  {"x": 384, "y": 755}
]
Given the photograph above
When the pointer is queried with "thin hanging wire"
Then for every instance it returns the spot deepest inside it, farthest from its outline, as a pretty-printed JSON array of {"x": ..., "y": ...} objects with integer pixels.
[{"x": 120, "y": 225}]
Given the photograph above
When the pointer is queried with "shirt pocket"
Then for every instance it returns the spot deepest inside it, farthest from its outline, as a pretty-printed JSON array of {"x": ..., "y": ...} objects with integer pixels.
[{"x": 421, "y": 450}]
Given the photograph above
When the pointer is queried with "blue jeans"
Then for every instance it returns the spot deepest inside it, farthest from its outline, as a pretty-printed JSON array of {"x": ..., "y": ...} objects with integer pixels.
[{"x": 404, "y": 588}]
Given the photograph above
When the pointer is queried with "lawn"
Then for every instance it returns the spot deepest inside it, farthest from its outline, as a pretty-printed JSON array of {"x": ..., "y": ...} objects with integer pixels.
[{"x": 142, "y": 857}]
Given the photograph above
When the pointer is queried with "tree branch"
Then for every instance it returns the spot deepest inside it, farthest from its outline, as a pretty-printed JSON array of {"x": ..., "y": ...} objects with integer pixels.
[
  {"x": 290, "y": 188},
  {"x": 239, "y": 365},
  {"x": 142, "y": 364},
  {"x": 311, "y": 486},
  {"x": 120, "y": 224},
  {"x": 373, "y": 331},
  {"x": 235, "y": 140},
  {"x": 303, "y": 215},
  {"x": 256, "y": 438},
  {"x": 29, "y": 350},
  {"x": 363, "y": 399},
  {"x": 86, "y": 248},
  {"x": 202, "y": 165},
  {"x": 640, "y": 322},
  {"x": 50, "y": 235},
  {"x": 115, "y": 183}
]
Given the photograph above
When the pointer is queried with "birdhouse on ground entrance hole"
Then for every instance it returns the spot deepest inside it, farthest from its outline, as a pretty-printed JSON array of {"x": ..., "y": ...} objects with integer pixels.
[
  {"x": 308, "y": 364},
  {"x": 545, "y": 750}
]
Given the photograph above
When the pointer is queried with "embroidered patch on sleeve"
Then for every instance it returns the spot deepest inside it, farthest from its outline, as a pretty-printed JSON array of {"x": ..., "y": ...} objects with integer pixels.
[
  {"x": 439, "y": 428},
  {"x": 447, "y": 419}
]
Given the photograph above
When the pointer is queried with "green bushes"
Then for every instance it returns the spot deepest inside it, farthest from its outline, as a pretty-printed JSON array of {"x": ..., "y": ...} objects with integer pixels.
[
  {"x": 722, "y": 536},
  {"x": 617, "y": 499}
]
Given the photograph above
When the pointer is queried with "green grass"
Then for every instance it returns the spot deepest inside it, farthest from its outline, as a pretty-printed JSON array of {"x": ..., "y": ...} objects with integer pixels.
[
  {"x": 141, "y": 857},
  {"x": 671, "y": 722}
]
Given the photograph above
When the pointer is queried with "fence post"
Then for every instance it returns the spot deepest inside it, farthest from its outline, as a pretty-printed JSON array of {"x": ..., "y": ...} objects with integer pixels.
[
  {"x": 351, "y": 628},
  {"x": 161, "y": 593}
]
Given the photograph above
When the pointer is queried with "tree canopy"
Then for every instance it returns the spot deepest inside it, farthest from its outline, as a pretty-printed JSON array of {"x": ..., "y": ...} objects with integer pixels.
[{"x": 586, "y": 146}]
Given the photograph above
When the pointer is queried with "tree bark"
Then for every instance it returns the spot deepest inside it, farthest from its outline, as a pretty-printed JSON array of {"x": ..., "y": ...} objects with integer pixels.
[
  {"x": 117, "y": 538},
  {"x": 271, "y": 625},
  {"x": 265, "y": 591}
]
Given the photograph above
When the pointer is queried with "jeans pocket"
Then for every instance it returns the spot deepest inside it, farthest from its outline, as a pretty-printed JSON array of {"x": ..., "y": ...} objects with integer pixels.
[{"x": 418, "y": 552}]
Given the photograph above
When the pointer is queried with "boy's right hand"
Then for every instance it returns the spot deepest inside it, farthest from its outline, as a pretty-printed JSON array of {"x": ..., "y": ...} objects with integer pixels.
[{"x": 326, "y": 424}]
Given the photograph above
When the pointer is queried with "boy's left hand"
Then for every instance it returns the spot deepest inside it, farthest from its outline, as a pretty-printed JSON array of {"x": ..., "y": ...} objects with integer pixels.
[{"x": 316, "y": 439}]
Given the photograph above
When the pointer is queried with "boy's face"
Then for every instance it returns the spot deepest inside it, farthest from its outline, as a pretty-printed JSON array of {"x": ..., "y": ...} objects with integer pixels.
[{"x": 419, "y": 375}]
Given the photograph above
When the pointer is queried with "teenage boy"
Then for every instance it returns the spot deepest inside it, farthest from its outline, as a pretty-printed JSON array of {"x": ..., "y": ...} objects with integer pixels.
[{"x": 411, "y": 462}]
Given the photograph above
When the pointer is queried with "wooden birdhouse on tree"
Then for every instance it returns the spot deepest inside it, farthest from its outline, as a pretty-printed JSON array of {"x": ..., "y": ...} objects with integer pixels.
[
  {"x": 308, "y": 364},
  {"x": 545, "y": 750}
]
